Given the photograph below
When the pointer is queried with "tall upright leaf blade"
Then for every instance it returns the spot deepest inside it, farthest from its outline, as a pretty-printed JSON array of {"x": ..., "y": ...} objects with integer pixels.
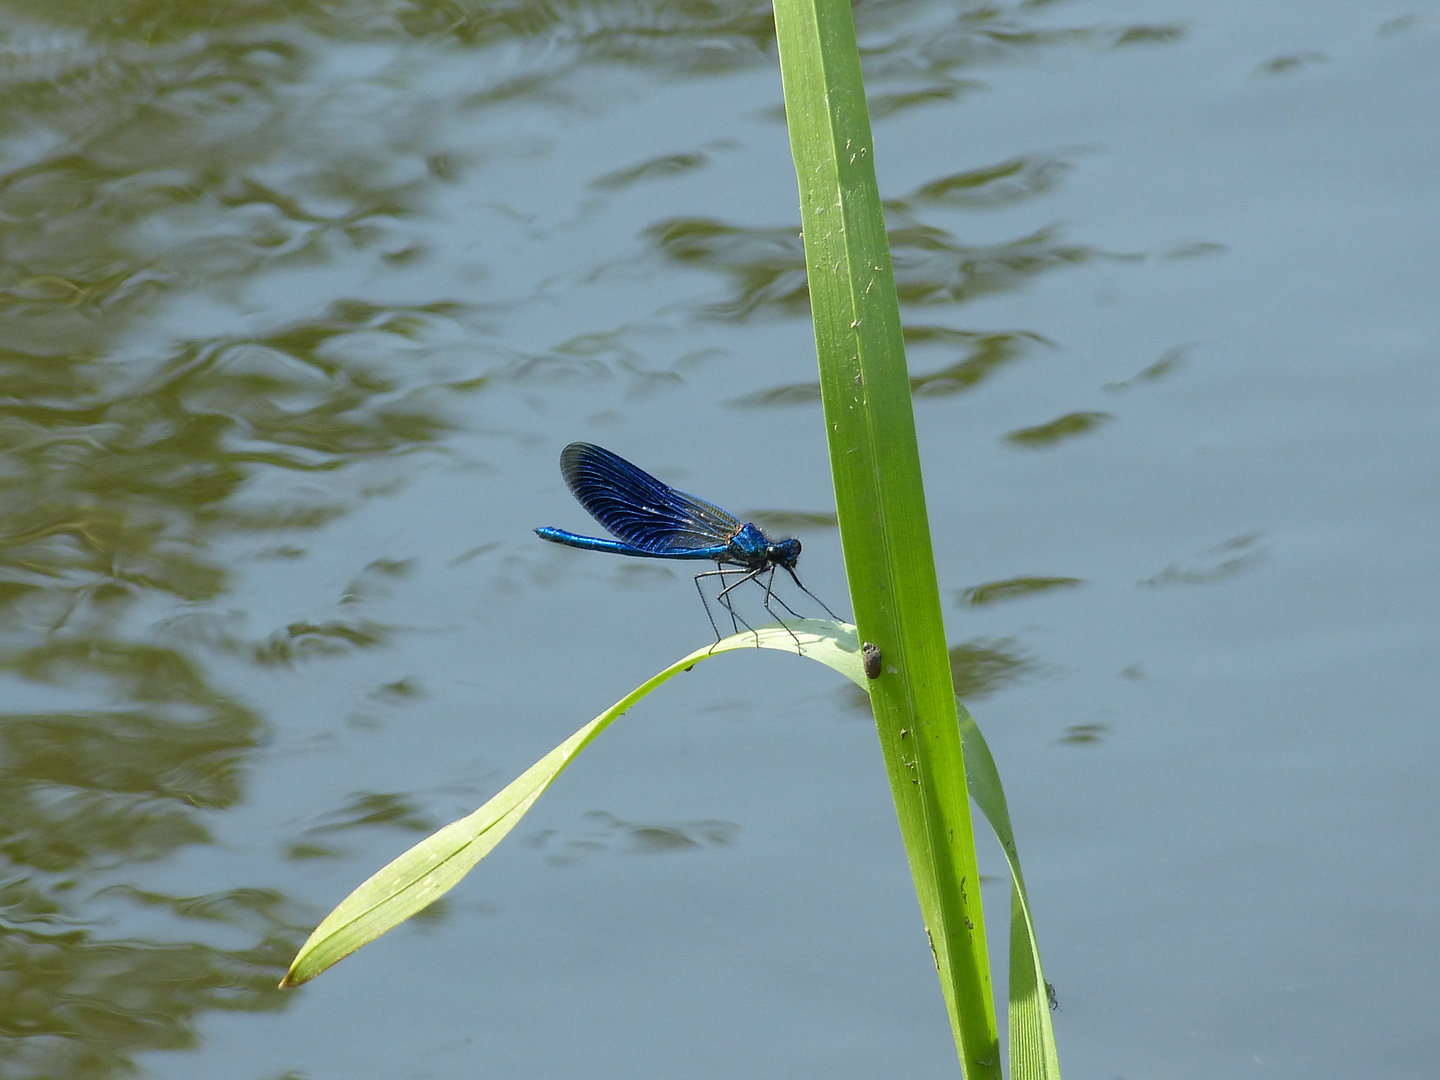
[{"x": 880, "y": 499}]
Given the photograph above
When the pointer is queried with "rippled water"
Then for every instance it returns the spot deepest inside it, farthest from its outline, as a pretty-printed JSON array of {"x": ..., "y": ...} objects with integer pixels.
[{"x": 299, "y": 302}]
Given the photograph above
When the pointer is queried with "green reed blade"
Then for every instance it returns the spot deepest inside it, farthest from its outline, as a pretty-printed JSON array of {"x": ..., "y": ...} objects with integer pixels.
[{"x": 880, "y": 504}]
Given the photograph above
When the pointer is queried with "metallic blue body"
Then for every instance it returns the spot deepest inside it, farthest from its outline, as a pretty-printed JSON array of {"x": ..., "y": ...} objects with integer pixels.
[
  {"x": 655, "y": 521},
  {"x": 615, "y": 547},
  {"x": 652, "y": 520}
]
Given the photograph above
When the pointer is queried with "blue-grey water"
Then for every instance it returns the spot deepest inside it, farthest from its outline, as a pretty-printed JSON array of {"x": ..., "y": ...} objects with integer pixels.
[{"x": 300, "y": 302}]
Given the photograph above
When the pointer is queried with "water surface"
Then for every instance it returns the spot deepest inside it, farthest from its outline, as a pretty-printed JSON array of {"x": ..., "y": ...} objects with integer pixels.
[{"x": 299, "y": 304}]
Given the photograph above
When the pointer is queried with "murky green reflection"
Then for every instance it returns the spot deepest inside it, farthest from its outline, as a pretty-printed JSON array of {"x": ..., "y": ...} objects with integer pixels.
[
  {"x": 982, "y": 667},
  {"x": 1235, "y": 556},
  {"x": 978, "y": 668},
  {"x": 161, "y": 173},
  {"x": 1069, "y": 426},
  {"x": 993, "y": 592},
  {"x": 982, "y": 355},
  {"x": 604, "y": 833},
  {"x": 766, "y": 266},
  {"x": 367, "y": 811},
  {"x": 87, "y": 795}
]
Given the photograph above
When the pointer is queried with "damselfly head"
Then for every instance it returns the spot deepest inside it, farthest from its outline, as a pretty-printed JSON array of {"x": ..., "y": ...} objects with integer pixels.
[{"x": 784, "y": 553}]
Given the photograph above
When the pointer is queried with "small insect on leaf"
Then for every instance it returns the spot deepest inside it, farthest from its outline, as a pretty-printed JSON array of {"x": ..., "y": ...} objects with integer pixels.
[{"x": 870, "y": 657}]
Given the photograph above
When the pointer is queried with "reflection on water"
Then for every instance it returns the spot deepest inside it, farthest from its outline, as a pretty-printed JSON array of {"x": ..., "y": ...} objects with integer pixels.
[
  {"x": 1060, "y": 429},
  {"x": 654, "y": 169},
  {"x": 1167, "y": 365},
  {"x": 766, "y": 266},
  {"x": 981, "y": 356},
  {"x": 605, "y": 834},
  {"x": 141, "y": 177},
  {"x": 980, "y": 668},
  {"x": 1084, "y": 734},
  {"x": 993, "y": 592},
  {"x": 373, "y": 810},
  {"x": 1234, "y": 556},
  {"x": 161, "y": 163},
  {"x": 85, "y": 1002},
  {"x": 1281, "y": 64},
  {"x": 1009, "y": 181},
  {"x": 91, "y": 793}
]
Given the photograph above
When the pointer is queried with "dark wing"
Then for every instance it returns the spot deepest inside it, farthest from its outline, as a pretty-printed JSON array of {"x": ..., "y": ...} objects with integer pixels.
[{"x": 642, "y": 511}]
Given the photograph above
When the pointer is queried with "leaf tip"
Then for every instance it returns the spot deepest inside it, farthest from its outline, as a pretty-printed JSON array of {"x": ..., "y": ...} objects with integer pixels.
[{"x": 290, "y": 981}]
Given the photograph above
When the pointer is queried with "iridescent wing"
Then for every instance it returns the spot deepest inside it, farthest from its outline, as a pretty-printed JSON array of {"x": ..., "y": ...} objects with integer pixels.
[{"x": 645, "y": 513}]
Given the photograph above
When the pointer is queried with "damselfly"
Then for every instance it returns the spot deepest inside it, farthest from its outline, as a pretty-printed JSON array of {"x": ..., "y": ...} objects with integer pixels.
[{"x": 652, "y": 520}]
